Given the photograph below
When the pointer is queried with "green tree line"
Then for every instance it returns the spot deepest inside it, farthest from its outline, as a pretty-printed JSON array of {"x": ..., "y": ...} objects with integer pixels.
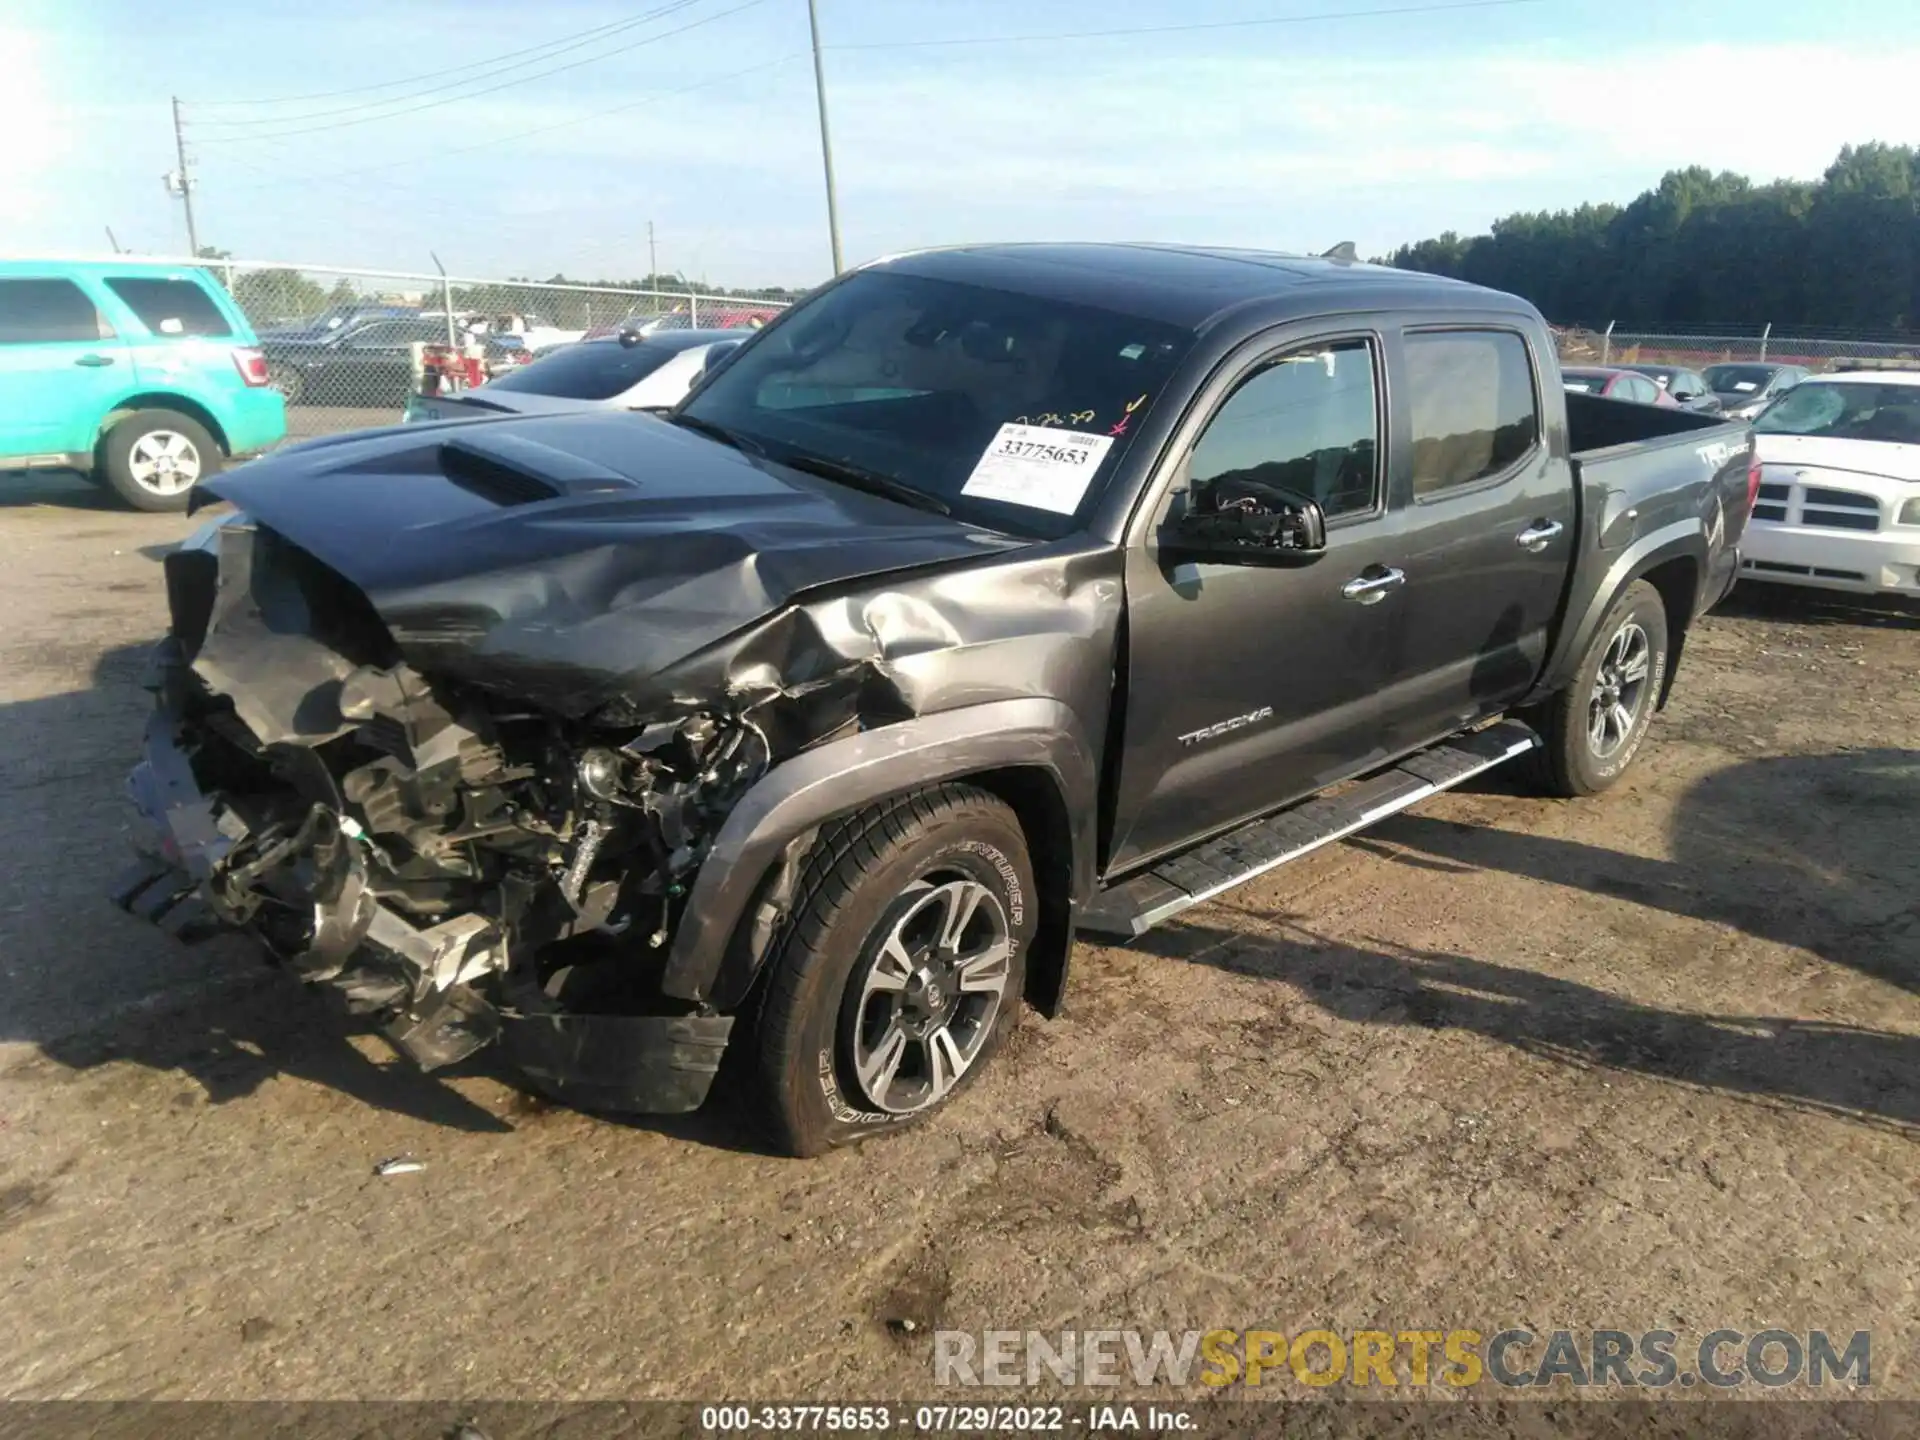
[{"x": 1700, "y": 249}]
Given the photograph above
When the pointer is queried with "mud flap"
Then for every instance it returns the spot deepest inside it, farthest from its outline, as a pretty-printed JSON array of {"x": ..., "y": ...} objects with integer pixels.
[{"x": 633, "y": 1064}]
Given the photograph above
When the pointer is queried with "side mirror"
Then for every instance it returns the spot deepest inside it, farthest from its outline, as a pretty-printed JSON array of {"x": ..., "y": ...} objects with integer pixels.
[
  {"x": 1256, "y": 525},
  {"x": 1685, "y": 395}
]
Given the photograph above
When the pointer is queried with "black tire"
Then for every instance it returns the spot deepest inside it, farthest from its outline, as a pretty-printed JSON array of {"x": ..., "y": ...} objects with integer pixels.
[
  {"x": 896, "y": 869},
  {"x": 1585, "y": 751},
  {"x": 289, "y": 380},
  {"x": 127, "y": 465}
]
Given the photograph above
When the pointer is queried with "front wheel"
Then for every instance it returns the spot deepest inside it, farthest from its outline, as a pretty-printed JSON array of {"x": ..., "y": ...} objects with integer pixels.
[
  {"x": 1594, "y": 727},
  {"x": 153, "y": 458},
  {"x": 902, "y": 970}
]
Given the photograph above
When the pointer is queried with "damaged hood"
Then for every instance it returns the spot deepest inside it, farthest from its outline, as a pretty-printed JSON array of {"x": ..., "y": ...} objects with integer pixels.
[{"x": 565, "y": 559}]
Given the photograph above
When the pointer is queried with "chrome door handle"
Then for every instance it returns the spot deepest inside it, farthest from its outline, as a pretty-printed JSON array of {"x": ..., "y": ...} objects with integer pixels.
[
  {"x": 94, "y": 361},
  {"x": 1372, "y": 589},
  {"x": 1537, "y": 536}
]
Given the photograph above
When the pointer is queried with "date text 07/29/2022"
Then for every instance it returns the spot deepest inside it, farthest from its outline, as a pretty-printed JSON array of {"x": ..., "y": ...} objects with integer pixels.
[{"x": 945, "y": 1419}]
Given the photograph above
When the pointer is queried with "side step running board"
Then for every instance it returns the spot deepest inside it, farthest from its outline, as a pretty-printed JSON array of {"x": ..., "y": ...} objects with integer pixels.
[{"x": 1143, "y": 901}]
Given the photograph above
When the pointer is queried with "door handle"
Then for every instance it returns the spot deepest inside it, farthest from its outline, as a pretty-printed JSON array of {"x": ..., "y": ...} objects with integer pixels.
[
  {"x": 1537, "y": 536},
  {"x": 94, "y": 361},
  {"x": 1371, "y": 587}
]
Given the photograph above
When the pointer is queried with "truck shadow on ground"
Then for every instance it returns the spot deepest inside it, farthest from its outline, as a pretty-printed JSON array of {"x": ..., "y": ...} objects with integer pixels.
[
  {"x": 1866, "y": 1075},
  {"x": 1813, "y": 851},
  {"x": 1809, "y": 851}
]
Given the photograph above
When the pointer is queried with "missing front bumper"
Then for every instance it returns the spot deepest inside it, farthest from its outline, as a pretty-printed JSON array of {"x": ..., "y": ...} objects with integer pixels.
[{"x": 438, "y": 994}]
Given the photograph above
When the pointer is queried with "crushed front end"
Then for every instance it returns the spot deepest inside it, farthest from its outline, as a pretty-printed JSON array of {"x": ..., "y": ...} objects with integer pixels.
[{"x": 458, "y": 865}]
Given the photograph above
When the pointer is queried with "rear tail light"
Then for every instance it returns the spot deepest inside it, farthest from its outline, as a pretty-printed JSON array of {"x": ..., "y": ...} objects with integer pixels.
[
  {"x": 1753, "y": 481},
  {"x": 252, "y": 366}
]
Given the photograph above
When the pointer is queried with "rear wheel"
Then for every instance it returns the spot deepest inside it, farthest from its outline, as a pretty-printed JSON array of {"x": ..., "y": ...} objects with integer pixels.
[
  {"x": 1594, "y": 727},
  {"x": 901, "y": 974},
  {"x": 153, "y": 458}
]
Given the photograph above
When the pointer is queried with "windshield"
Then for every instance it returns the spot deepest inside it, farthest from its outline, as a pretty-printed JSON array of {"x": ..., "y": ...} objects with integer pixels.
[
  {"x": 1658, "y": 373},
  {"x": 1739, "y": 379},
  {"x": 1888, "y": 413},
  {"x": 1584, "y": 384},
  {"x": 592, "y": 370},
  {"x": 1010, "y": 409}
]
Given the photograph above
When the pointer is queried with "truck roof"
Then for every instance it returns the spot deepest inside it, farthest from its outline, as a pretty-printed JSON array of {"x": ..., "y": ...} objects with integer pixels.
[{"x": 1193, "y": 286}]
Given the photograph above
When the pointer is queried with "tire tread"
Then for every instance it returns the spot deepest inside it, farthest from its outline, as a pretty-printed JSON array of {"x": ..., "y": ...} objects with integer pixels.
[{"x": 842, "y": 859}]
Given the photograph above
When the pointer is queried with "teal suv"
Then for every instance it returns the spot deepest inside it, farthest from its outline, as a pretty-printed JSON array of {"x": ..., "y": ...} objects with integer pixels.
[{"x": 145, "y": 377}]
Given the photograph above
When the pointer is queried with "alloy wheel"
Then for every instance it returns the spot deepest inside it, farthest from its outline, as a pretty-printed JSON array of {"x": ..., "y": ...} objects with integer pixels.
[
  {"x": 931, "y": 992},
  {"x": 1619, "y": 690},
  {"x": 164, "y": 462}
]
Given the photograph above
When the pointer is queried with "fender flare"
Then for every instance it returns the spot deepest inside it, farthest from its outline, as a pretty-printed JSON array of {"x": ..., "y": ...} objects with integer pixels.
[
  {"x": 755, "y": 858},
  {"x": 1682, "y": 540}
]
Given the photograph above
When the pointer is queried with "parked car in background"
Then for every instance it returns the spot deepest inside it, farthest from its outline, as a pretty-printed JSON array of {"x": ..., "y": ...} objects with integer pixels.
[
  {"x": 343, "y": 316},
  {"x": 709, "y": 313},
  {"x": 678, "y": 318},
  {"x": 1686, "y": 388},
  {"x": 787, "y": 723},
  {"x": 527, "y": 331},
  {"x": 144, "y": 377},
  {"x": 1839, "y": 500},
  {"x": 628, "y": 372},
  {"x": 1745, "y": 389},
  {"x": 1615, "y": 383},
  {"x": 367, "y": 364}
]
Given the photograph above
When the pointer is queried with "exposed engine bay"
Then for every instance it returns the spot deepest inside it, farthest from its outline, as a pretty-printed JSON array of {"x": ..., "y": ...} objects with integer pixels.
[{"x": 443, "y": 858}]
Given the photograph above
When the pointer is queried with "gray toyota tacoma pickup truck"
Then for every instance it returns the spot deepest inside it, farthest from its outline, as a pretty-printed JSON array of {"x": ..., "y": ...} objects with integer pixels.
[{"x": 989, "y": 598}]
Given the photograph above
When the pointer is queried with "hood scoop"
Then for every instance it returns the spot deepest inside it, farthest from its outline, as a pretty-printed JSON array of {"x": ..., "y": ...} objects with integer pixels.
[{"x": 511, "y": 470}]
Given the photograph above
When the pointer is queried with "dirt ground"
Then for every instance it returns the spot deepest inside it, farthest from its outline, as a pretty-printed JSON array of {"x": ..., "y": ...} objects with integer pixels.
[{"x": 1646, "y": 1061}]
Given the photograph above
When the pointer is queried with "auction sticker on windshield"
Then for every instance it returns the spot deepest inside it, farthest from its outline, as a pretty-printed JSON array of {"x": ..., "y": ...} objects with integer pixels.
[{"x": 1038, "y": 466}]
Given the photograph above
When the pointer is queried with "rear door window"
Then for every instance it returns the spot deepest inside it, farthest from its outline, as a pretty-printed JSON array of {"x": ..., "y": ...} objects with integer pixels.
[
  {"x": 39, "y": 312},
  {"x": 1474, "y": 411},
  {"x": 171, "y": 307}
]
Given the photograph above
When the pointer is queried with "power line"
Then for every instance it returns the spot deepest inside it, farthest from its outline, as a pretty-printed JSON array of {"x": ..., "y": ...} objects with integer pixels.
[
  {"x": 413, "y": 162},
  {"x": 522, "y": 54},
  {"x": 663, "y": 12},
  {"x": 503, "y": 85},
  {"x": 1191, "y": 26}
]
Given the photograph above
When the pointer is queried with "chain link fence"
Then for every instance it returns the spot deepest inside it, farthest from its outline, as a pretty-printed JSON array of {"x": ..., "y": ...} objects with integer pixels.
[
  {"x": 1821, "y": 352},
  {"x": 344, "y": 346}
]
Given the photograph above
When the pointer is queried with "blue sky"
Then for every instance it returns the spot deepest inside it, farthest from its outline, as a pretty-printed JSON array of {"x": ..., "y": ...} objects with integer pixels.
[{"x": 1376, "y": 128}]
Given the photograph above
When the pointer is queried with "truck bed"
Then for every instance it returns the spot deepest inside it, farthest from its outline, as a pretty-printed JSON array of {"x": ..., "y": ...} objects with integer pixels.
[
  {"x": 1636, "y": 452},
  {"x": 1640, "y": 471},
  {"x": 1597, "y": 428}
]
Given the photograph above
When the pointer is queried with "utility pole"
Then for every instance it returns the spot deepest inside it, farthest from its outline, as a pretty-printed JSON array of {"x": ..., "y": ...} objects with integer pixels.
[
  {"x": 186, "y": 179},
  {"x": 826, "y": 141},
  {"x": 653, "y": 258},
  {"x": 113, "y": 240}
]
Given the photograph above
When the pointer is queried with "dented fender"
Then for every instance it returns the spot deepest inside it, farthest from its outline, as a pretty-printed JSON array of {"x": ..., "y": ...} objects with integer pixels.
[{"x": 839, "y": 778}]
